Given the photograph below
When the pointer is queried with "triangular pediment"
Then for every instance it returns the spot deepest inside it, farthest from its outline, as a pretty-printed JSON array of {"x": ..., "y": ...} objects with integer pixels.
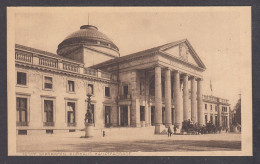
[{"x": 183, "y": 50}]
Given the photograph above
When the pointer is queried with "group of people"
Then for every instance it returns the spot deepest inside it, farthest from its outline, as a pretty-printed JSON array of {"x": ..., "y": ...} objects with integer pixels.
[{"x": 190, "y": 128}]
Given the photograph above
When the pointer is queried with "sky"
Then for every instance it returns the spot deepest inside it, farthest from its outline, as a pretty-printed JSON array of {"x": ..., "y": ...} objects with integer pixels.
[{"x": 219, "y": 35}]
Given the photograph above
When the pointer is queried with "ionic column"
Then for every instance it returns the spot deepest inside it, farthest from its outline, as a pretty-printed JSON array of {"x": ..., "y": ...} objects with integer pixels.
[
  {"x": 193, "y": 101},
  {"x": 213, "y": 118},
  {"x": 119, "y": 116},
  {"x": 168, "y": 111},
  {"x": 146, "y": 115},
  {"x": 158, "y": 97},
  {"x": 128, "y": 115},
  {"x": 200, "y": 104},
  {"x": 186, "y": 115},
  {"x": 177, "y": 98}
]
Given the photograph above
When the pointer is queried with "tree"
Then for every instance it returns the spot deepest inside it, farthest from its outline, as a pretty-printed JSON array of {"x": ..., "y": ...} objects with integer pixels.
[{"x": 237, "y": 115}]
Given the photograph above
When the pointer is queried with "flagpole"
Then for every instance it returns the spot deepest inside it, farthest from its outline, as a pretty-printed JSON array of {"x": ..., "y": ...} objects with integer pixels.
[{"x": 211, "y": 87}]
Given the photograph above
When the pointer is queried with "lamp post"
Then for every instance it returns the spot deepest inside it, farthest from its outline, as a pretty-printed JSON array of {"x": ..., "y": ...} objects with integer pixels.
[{"x": 89, "y": 125}]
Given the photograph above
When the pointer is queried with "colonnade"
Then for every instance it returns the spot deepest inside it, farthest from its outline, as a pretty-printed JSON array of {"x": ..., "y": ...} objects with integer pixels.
[{"x": 181, "y": 108}]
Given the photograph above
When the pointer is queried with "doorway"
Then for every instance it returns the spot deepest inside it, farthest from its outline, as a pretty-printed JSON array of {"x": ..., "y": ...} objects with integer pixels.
[{"x": 123, "y": 115}]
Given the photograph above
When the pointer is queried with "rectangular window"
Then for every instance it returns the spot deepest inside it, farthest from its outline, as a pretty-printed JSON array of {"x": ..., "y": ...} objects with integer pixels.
[
  {"x": 71, "y": 86},
  {"x": 125, "y": 90},
  {"x": 21, "y": 78},
  {"x": 22, "y": 132},
  {"x": 216, "y": 108},
  {"x": 210, "y": 107},
  {"x": 216, "y": 120},
  {"x": 91, "y": 89},
  {"x": 48, "y": 113},
  {"x": 107, "y": 116},
  {"x": 47, "y": 82},
  {"x": 205, "y": 106},
  {"x": 142, "y": 113},
  {"x": 71, "y": 120},
  {"x": 206, "y": 118},
  {"x": 211, "y": 119},
  {"x": 21, "y": 109},
  {"x": 107, "y": 91},
  {"x": 142, "y": 87},
  {"x": 49, "y": 131}
]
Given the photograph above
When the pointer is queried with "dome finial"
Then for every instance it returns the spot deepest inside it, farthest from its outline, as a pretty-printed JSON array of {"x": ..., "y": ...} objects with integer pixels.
[{"x": 88, "y": 27}]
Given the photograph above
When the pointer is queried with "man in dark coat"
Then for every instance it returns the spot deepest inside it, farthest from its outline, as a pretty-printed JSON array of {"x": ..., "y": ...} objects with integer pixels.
[{"x": 169, "y": 131}]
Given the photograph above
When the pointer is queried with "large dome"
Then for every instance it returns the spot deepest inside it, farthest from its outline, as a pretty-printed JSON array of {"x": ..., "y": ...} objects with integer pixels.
[{"x": 87, "y": 35}]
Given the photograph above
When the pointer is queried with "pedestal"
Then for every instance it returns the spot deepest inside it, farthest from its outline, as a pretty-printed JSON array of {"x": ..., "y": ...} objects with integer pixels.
[
  {"x": 89, "y": 129},
  {"x": 159, "y": 128}
]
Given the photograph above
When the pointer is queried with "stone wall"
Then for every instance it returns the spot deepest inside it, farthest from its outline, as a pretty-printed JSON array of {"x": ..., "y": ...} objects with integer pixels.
[{"x": 59, "y": 94}]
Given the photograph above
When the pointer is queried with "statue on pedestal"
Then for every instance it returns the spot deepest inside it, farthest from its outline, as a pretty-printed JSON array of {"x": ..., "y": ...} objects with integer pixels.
[{"x": 89, "y": 120}]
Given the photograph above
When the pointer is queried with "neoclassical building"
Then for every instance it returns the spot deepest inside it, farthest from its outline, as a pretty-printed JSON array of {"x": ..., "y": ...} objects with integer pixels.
[
  {"x": 217, "y": 111},
  {"x": 160, "y": 87}
]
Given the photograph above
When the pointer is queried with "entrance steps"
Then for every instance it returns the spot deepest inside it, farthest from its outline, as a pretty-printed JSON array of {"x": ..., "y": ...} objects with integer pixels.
[
  {"x": 129, "y": 131},
  {"x": 125, "y": 131}
]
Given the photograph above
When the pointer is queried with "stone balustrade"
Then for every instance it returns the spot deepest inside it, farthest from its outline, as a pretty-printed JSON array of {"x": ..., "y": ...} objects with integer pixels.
[
  {"x": 89, "y": 71},
  {"x": 24, "y": 57},
  {"x": 48, "y": 124},
  {"x": 22, "y": 123},
  {"x": 48, "y": 62},
  {"x": 72, "y": 124},
  {"x": 70, "y": 67},
  {"x": 54, "y": 62},
  {"x": 106, "y": 75}
]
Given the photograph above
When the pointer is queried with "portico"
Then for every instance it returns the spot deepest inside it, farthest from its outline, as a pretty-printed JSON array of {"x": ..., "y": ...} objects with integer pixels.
[
  {"x": 164, "y": 85},
  {"x": 180, "y": 89}
]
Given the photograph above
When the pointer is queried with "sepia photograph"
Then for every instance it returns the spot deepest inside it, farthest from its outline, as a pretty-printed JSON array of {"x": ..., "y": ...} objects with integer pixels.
[{"x": 129, "y": 81}]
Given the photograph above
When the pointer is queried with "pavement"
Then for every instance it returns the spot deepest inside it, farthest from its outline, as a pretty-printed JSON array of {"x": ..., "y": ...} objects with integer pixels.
[{"x": 126, "y": 140}]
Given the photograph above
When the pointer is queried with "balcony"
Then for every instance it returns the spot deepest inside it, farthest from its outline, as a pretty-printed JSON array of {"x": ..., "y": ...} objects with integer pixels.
[
  {"x": 48, "y": 124},
  {"x": 22, "y": 123},
  {"x": 72, "y": 124},
  {"x": 152, "y": 98},
  {"x": 124, "y": 97}
]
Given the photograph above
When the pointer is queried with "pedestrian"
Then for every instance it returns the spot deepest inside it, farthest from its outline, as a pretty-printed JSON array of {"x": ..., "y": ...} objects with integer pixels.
[
  {"x": 175, "y": 129},
  {"x": 104, "y": 133},
  {"x": 169, "y": 131}
]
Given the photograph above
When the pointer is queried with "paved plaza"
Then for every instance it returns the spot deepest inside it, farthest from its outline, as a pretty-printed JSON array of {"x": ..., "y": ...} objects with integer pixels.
[{"x": 127, "y": 140}]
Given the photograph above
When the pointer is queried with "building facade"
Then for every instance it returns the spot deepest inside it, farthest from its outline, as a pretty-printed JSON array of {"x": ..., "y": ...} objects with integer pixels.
[
  {"x": 160, "y": 87},
  {"x": 217, "y": 111}
]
